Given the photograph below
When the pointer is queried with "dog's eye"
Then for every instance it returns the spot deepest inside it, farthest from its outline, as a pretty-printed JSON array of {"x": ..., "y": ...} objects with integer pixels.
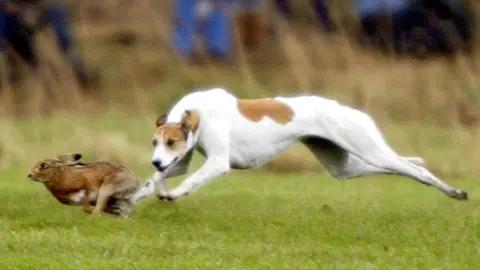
[
  {"x": 43, "y": 165},
  {"x": 170, "y": 142},
  {"x": 154, "y": 142}
]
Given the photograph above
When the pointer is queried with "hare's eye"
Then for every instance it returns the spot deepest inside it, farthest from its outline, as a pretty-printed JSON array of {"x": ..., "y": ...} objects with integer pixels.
[
  {"x": 43, "y": 165},
  {"x": 170, "y": 142}
]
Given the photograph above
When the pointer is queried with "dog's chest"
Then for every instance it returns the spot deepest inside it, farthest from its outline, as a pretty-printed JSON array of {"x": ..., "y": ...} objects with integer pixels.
[
  {"x": 254, "y": 153},
  {"x": 253, "y": 144}
]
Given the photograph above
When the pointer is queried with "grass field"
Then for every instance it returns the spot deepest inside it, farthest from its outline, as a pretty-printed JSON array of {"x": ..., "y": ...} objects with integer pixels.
[
  {"x": 288, "y": 215},
  {"x": 249, "y": 221}
]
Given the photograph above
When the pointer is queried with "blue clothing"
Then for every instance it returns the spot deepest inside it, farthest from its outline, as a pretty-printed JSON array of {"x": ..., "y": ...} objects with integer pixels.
[
  {"x": 17, "y": 35},
  {"x": 322, "y": 14},
  {"x": 370, "y": 7},
  {"x": 57, "y": 15},
  {"x": 3, "y": 24},
  {"x": 217, "y": 32},
  {"x": 214, "y": 28},
  {"x": 8, "y": 22},
  {"x": 21, "y": 37},
  {"x": 184, "y": 26},
  {"x": 12, "y": 27}
]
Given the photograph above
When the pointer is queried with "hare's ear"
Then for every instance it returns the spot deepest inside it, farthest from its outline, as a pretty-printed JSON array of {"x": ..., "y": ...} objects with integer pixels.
[
  {"x": 76, "y": 156},
  {"x": 69, "y": 158},
  {"x": 161, "y": 120}
]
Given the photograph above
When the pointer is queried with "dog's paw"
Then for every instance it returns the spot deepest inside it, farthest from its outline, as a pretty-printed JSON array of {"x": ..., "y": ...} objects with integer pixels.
[
  {"x": 459, "y": 194},
  {"x": 165, "y": 198}
]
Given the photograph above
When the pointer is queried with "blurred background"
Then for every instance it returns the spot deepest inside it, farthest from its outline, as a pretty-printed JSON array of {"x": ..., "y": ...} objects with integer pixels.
[{"x": 92, "y": 76}]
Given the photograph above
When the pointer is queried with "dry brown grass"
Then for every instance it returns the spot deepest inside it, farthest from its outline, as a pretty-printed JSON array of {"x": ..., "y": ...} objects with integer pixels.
[{"x": 128, "y": 42}]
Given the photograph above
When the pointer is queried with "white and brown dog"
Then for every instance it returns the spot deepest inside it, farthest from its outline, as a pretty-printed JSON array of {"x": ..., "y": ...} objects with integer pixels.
[{"x": 239, "y": 134}]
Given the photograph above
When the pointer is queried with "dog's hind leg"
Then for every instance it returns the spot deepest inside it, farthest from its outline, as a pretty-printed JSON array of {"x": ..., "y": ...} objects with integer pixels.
[
  {"x": 344, "y": 165},
  {"x": 418, "y": 173},
  {"x": 363, "y": 139},
  {"x": 338, "y": 162},
  {"x": 415, "y": 161}
]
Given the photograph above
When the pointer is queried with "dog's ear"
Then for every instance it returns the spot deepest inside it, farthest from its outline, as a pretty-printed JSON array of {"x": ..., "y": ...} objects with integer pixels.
[
  {"x": 190, "y": 121},
  {"x": 161, "y": 120}
]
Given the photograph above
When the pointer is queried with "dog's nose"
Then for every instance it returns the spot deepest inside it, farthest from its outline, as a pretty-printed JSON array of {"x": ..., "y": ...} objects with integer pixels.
[
  {"x": 29, "y": 175},
  {"x": 158, "y": 165}
]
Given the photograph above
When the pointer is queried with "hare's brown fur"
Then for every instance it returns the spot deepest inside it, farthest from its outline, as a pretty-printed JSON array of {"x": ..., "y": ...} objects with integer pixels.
[{"x": 107, "y": 185}]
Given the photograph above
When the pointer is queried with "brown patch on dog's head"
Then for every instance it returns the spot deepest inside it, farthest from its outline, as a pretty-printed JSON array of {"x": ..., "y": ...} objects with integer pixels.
[
  {"x": 174, "y": 135},
  {"x": 256, "y": 109}
]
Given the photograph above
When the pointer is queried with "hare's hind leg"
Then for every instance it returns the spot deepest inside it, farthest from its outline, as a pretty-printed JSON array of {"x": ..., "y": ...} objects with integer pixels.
[
  {"x": 104, "y": 194},
  {"x": 125, "y": 186},
  {"x": 119, "y": 207}
]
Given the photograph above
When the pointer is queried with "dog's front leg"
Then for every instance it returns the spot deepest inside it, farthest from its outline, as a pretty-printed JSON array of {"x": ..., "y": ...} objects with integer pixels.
[
  {"x": 213, "y": 168},
  {"x": 159, "y": 179},
  {"x": 214, "y": 141},
  {"x": 156, "y": 184},
  {"x": 160, "y": 185}
]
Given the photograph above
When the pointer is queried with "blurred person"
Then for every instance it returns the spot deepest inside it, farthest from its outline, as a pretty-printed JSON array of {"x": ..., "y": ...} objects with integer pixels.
[
  {"x": 26, "y": 17},
  {"x": 55, "y": 14},
  {"x": 416, "y": 25},
  {"x": 383, "y": 21},
  {"x": 208, "y": 20},
  {"x": 447, "y": 21},
  {"x": 251, "y": 22},
  {"x": 15, "y": 34},
  {"x": 320, "y": 8}
]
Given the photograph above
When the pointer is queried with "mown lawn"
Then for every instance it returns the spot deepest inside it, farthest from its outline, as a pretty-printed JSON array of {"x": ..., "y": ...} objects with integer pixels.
[{"x": 249, "y": 221}]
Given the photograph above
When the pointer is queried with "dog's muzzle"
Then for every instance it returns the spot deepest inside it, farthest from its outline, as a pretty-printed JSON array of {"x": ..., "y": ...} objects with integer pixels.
[{"x": 160, "y": 167}]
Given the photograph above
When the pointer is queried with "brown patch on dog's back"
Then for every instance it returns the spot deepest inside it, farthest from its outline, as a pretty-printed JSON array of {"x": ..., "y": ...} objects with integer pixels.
[{"x": 256, "y": 109}]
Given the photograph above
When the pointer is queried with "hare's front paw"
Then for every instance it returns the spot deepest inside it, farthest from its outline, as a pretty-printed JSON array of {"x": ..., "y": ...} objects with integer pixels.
[{"x": 88, "y": 209}]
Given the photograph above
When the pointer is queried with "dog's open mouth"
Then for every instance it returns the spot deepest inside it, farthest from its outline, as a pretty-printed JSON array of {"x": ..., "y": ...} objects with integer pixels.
[{"x": 164, "y": 168}]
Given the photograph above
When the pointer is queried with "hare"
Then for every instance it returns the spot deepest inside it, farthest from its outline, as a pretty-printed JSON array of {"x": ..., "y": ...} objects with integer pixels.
[{"x": 99, "y": 186}]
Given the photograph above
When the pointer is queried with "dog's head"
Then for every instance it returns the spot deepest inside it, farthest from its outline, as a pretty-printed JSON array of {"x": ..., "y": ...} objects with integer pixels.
[
  {"x": 172, "y": 141},
  {"x": 44, "y": 170}
]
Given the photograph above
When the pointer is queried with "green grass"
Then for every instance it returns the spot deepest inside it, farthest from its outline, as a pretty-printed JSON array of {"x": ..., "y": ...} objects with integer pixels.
[
  {"x": 249, "y": 221},
  {"x": 246, "y": 220}
]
